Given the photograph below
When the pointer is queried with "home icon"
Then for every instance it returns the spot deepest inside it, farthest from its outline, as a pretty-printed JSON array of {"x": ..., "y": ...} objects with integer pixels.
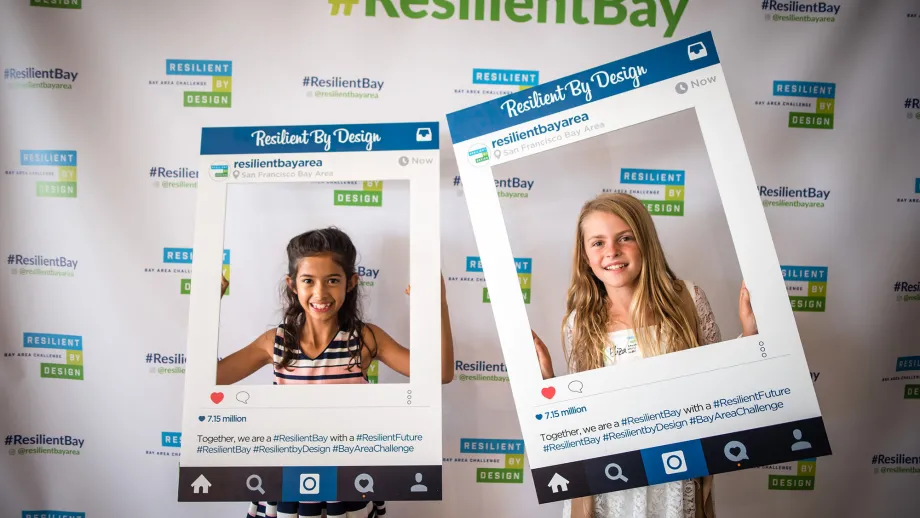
[
  {"x": 202, "y": 484},
  {"x": 558, "y": 483}
]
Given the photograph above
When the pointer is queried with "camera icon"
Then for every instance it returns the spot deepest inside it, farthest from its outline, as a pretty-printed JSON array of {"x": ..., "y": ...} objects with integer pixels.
[
  {"x": 309, "y": 484},
  {"x": 674, "y": 462}
]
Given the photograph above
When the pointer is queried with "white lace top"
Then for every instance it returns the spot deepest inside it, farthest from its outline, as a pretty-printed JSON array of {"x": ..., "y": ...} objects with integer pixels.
[{"x": 671, "y": 499}]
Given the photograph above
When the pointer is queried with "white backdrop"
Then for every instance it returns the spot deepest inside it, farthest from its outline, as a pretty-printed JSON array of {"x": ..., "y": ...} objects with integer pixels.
[{"x": 100, "y": 236}]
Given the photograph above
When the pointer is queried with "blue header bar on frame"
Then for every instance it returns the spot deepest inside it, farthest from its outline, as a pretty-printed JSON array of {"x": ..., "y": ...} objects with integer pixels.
[
  {"x": 624, "y": 75},
  {"x": 328, "y": 138}
]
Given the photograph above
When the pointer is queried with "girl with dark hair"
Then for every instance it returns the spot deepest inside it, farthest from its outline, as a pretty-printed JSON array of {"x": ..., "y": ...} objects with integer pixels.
[{"x": 323, "y": 339}]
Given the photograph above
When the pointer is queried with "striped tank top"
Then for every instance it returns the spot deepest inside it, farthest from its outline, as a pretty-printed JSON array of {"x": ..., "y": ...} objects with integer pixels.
[{"x": 331, "y": 366}]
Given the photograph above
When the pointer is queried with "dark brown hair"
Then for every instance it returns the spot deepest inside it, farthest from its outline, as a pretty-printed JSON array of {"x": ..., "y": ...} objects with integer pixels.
[{"x": 317, "y": 242}]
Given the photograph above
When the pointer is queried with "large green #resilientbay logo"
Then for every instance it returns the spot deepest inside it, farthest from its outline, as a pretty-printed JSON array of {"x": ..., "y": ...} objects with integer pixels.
[{"x": 639, "y": 13}]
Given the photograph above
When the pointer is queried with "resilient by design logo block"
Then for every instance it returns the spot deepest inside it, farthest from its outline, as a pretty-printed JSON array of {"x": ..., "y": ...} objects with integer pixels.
[
  {"x": 370, "y": 195},
  {"x": 373, "y": 372},
  {"x": 174, "y": 257},
  {"x": 218, "y": 87},
  {"x": 802, "y": 480},
  {"x": 908, "y": 366},
  {"x": 498, "y": 82},
  {"x": 524, "y": 266},
  {"x": 913, "y": 197},
  {"x": 58, "y": 4},
  {"x": 478, "y": 155},
  {"x": 55, "y": 168},
  {"x": 805, "y": 95},
  {"x": 807, "y": 287},
  {"x": 170, "y": 442},
  {"x": 660, "y": 190},
  {"x": 506, "y": 455},
  {"x": 59, "y": 356}
]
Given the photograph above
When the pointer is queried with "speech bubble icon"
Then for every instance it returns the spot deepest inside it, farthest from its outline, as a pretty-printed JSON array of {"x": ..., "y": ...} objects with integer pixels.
[
  {"x": 242, "y": 397},
  {"x": 735, "y": 451},
  {"x": 364, "y": 483},
  {"x": 576, "y": 386}
]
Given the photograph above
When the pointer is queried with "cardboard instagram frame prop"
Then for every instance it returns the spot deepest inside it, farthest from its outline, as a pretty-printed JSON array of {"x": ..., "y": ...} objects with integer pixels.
[
  {"x": 637, "y": 424},
  {"x": 302, "y": 442}
]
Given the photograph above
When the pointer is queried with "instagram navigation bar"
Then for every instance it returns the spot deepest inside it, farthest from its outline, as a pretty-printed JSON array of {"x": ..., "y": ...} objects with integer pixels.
[
  {"x": 309, "y": 483},
  {"x": 787, "y": 442}
]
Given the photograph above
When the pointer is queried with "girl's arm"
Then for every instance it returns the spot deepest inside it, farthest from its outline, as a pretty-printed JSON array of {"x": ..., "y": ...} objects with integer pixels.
[
  {"x": 447, "y": 339},
  {"x": 247, "y": 360},
  {"x": 543, "y": 357},
  {"x": 389, "y": 351},
  {"x": 583, "y": 507},
  {"x": 546, "y": 362},
  {"x": 746, "y": 313},
  {"x": 396, "y": 357}
]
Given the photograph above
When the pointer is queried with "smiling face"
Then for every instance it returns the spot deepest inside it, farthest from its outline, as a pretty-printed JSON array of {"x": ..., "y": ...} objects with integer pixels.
[
  {"x": 611, "y": 249},
  {"x": 321, "y": 286}
]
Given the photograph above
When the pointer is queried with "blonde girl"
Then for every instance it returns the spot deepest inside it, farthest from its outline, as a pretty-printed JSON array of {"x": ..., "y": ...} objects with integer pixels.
[{"x": 625, "y": 303}]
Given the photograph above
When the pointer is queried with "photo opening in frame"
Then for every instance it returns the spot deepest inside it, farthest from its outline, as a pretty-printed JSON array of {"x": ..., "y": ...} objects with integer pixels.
[
  {"x": 676, "y": 187},
  {"x": 318, "y": 252}
]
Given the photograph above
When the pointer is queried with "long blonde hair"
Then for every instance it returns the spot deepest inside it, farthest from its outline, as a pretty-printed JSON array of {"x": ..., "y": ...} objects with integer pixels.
[{"x": 660, "y": 299}]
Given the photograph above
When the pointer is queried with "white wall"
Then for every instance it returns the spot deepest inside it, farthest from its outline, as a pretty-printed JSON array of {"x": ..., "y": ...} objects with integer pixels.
[{"x": 116, "y": 228}]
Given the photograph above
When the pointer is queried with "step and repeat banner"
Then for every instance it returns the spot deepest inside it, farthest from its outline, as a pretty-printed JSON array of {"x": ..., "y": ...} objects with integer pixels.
[{"x": 101, "y": 110}]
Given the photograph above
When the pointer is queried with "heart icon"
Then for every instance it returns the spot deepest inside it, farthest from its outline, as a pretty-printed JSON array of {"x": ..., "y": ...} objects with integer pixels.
[
  {"x": 539, "y": 416},
  {"x": 217, "y": 397},
  {"x": 548, "y": 392},
  {"x": 201, "y": 418}
]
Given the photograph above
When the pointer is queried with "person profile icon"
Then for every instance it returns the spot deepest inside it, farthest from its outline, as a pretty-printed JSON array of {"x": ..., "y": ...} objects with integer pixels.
[
  {"x": 800, "y": 444},
  {"x": 418, "y": 488}
]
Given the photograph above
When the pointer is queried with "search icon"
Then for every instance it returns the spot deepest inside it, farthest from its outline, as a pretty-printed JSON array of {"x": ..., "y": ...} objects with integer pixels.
[
  {"x": 258, "y": 484},
  {"x": 576, "y": 386},
  {"x": 619, "y": 472}
]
